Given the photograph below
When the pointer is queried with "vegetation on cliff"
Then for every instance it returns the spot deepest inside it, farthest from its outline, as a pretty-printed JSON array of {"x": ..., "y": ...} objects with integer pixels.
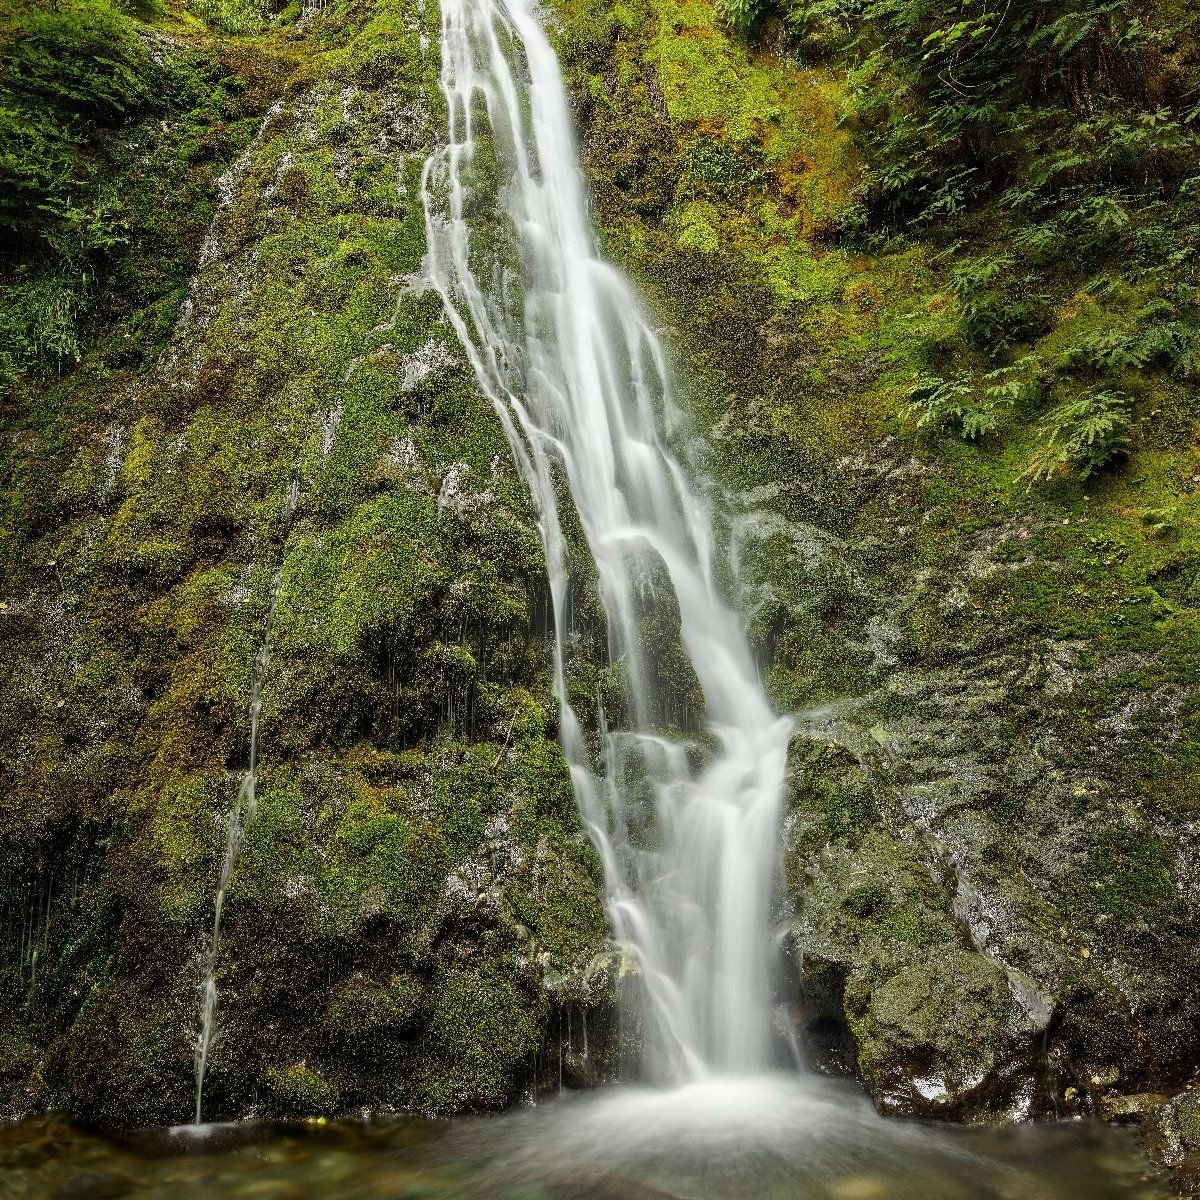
[
  {"x": 1048, "y": 153},
  {"x": 112, "y": 130},
  {"x": 993, "y": 645},
  {"x": 256, "y": 447},
  {"x": 931, "y": 272}
]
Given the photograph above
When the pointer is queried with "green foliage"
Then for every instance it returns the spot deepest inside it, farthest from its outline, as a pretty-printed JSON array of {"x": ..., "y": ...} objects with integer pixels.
[
  {"x": 109, "y": 138},
  {"x": 1146, "y": 338},
  {"x": 38, "y": 321},
  {"x": 1048, "y": 151},
  {"x": 951, "y": 403},
  {"x": 67, "y": 71},
  {"x": 972, "y": 407},
  {"x": 741, "y": 15},
  {"x": 998, "y": 303},
  {"x": 70, "y": 74},
  {"x": 1043, "y": 103},
  {"x": 1081, "y": 435},
  {"x": 719, "y": 171},
  {"x": 239, "y": 17}
]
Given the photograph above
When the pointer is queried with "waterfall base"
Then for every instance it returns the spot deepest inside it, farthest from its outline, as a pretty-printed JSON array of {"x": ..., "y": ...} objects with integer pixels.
[{"x": 767, "y": 1136}]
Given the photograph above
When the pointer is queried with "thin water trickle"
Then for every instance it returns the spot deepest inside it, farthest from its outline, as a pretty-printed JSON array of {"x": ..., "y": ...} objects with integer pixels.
[
  {"x": 238, "y": 820},
  {"x": 560, "y": 344}
]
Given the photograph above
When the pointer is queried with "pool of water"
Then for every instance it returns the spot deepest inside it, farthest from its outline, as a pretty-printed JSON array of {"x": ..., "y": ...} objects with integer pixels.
[{"x": 776, "y": 1138}]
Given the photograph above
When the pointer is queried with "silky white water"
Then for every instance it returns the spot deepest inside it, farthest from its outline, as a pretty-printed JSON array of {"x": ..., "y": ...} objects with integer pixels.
[{"x": 559, "y": 342}]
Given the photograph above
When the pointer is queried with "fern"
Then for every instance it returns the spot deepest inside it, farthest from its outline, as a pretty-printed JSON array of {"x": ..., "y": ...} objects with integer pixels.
[
  {"x": 71, "y": 72},
  {"x": 955, "y": 404},
  {"x": 1019, "y": 383},
  {"x": 39, "y": 325},
  {"x": 740, "y": 15},
  {"x": 239, "y": 17},
  {"x": 1081, "y": 435}
]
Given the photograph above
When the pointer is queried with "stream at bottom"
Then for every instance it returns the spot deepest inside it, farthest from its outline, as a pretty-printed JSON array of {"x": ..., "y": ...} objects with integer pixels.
[{"x": 771, "y": 1138}]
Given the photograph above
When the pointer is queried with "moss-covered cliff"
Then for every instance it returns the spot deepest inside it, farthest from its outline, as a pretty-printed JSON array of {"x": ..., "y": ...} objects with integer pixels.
[
  {"x": 241, "y": 439},
  {"x": 992, "y": 846},
  {"x": 273, "y": 471}
]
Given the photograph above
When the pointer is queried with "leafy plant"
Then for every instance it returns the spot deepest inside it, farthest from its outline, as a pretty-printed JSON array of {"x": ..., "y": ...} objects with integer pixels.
[
  {"x": 1147, "y": 337},
  {"x": 1082, "y": 434},
  {"x": 1045, "y": 151},
  {"x": 66, "y": 70},
  {"x": 38, "y": 321},
  {"x": 71, "y": 73},
  {"x": 973, "y": 408},
  {"x": 239, "y": 17},
  {"x": 998, "y": 302},
  {"x": 955, "y": 404},
  {"x": 740, "y": 15}
]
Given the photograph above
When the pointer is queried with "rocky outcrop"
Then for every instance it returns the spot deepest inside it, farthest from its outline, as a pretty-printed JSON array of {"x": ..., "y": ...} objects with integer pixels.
[
  {"x": 993, "y": 839},
  {"x": 299, "y": 501},
  {"x": 1171, "y": 1134},
  {"x": 1046, "y": 960}
]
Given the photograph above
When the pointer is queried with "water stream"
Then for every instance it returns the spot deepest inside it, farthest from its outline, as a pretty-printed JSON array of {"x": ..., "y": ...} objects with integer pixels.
[
  {"x": 686, "y": 827},
  {"x": 238, "y": 819},
  {"x": 786, "y": 1139}
]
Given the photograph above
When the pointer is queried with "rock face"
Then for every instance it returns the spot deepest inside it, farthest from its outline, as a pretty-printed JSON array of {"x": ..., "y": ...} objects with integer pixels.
[
  {"x": 992, "y": 849},
  {"x": 993, "y": 836},
  {"x": 982, "y": 848},
  {"x": 300, "y": 492},
  {"x": 1172, "y": 1136}
]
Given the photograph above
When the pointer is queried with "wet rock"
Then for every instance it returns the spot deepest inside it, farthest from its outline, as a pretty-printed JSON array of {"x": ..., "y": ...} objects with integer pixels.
[
  {"x": 928, "y": 1035},
  {"x": 940, "y": 1027},
  {"x": 949, "y": 794},
  {"x": 1131, "y": 1109},
  {"x": 1171, "y": 1136}
]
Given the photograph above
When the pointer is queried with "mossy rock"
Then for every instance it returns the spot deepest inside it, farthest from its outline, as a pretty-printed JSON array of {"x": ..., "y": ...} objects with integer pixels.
[
  {"x": 928, "y": 1035},
  {"x": 1171, "y": 1135},
  {"x": 256, "y": 504},
  {"x": 297, "y": 1089}
]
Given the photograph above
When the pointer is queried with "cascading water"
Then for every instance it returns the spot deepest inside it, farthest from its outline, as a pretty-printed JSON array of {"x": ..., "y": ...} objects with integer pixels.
[{"x": 559, "y": 343}]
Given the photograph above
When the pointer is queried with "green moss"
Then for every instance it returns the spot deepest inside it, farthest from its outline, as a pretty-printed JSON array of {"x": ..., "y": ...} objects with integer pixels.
[
  {"x": 905, "y": 1021},
  {"x": 181, "y": 830},
  {"x": 372, "y": 574},
  {"x": 1187, "y": 1113},
  {"x": 370, "y": 1015},
  {"x": 696, "y": 228},
  {"x": 484, "y": 1033},
  {"x": 298, "y": 489},
  {"x": 299, "y": 1089}
]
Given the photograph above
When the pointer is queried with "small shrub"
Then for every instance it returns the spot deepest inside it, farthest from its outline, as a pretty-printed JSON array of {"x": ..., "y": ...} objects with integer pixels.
[{"x": 996, "y": 301}]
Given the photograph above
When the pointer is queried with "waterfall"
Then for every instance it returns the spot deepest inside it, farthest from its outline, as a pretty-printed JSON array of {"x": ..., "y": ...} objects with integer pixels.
[{"x": 686, "y": 830}]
